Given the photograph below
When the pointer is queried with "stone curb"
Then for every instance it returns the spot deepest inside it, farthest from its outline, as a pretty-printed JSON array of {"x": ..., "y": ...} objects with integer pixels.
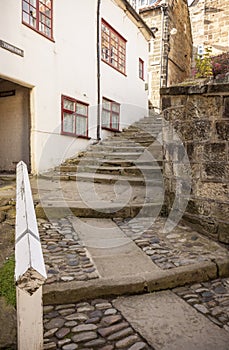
[
  {"x": 86, "y": 212},
  {"x": 69, "y": 292}
]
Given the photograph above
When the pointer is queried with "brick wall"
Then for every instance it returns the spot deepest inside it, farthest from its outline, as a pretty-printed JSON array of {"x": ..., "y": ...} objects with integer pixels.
[{"x": 199, "y": 115}]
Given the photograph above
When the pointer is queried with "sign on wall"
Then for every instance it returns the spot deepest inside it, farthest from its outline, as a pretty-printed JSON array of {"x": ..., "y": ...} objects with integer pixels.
[{"x": 11, "y": 48}]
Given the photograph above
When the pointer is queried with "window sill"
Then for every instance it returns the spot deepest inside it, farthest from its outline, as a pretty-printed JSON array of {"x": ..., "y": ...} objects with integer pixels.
[
  {"x": 117, "y": 70},
  {"x": 37, "y": 31},
  {"x": 74, "y": 135},
  {"x": 110, "y": 129}
]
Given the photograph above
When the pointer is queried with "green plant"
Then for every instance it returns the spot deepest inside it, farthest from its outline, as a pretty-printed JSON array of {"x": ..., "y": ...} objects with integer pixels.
[
  {"x": 7, "y": 283},
  {"x": 204, "y": 64}
]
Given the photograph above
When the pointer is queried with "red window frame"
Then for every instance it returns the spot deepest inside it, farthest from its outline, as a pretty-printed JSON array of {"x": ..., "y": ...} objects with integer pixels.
[
  {"x": 114, "y": 110},
  {"x": 74, "y": 114},
  {"x": 38, "y": 15},
  {"x": 141, "y": 69},
  {"x": 113, "y": 48}
]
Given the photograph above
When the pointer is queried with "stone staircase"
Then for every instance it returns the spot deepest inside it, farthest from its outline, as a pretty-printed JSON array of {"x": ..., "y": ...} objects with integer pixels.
[
  {"x": 135, "y": 155},
  {"x": 119, "y": 175}
]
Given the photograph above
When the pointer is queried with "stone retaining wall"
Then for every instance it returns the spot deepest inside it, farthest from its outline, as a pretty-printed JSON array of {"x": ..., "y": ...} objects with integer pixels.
[{"x": 199, "y": 115}]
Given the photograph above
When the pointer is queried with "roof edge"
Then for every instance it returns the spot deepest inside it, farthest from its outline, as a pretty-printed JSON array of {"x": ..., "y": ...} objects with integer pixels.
[{"x": 136, "y": 18}]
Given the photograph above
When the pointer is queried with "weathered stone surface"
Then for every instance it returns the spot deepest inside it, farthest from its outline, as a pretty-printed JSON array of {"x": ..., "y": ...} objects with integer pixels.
[
  {"x": 70, "y": 347},
  {"x": 109, "y": 320},
  {"x": 121, "y": 334},
  {"x": 104, "y": 332},
  {"x": 126, "y": 342},
  {"x": 84, "y": 328},
  {"x": 62, "y": 332},
  {"x": 222, "y": 129},
  {"x": 84, "y": 336},
  {"x": 206, "y": 137},
  {"x": 54, "y": 323},
  {"x": 226, "y": 108},
  {"x": 138, "y": 346}
]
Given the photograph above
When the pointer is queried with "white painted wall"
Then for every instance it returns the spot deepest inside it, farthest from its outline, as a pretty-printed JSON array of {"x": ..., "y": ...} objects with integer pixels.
[
  {"x": 128, "y": 90},
  {"x": 68, "y": 66}
]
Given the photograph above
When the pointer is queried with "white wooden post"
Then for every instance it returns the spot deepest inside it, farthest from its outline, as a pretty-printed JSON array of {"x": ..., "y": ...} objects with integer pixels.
[{"x": 30, "y": 271}]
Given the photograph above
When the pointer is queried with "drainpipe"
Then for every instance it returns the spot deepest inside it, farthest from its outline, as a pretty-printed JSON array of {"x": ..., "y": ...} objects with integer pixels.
[
  {"x": 98, "y": 73},
  {"x": 165, "y": 46},
  {"x": 162, "y": 41}
]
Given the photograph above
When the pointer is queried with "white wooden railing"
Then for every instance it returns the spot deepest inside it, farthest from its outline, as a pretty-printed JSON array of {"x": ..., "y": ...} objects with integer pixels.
[{"x": 30, "y": 271}]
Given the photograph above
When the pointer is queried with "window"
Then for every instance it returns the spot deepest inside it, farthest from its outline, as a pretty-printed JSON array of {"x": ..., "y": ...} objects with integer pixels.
[
  {"x": 143, "y": 3},
  {"x": 74, "y": 117},
  {"x": 110, "y": 115},
  {"x": 113, "y": 48},
  {"x": 37, "y": 14},
  {"x": 141, "y": 69}
]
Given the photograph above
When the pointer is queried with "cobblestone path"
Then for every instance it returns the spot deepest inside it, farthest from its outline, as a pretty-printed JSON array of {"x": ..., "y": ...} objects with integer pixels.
[
  {"x": 183, "y": 246},
  {"x": 65, "y": 256},
  {"x": 209, "y": 298},
  {"x": 89, "y": 325}
]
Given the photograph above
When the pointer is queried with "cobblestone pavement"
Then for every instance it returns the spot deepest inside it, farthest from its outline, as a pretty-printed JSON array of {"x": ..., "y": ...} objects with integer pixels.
[
  {"x": 89, "y": 325},
  {"x": 183, "y": 246},
  {"x": 97, "y": 324},
  {"x": 209, "y": 298},
  {"x": 65, "y": 256}
]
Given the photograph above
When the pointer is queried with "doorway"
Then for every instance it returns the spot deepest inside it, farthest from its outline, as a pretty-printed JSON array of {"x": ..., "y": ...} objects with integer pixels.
[{"x": 14, "y": 126}]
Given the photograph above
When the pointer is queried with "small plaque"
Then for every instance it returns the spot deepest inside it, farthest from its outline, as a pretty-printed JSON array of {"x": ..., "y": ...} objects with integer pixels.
[
  {"x": 11, "y": 48},
  {"x": 7, "y": 93}
]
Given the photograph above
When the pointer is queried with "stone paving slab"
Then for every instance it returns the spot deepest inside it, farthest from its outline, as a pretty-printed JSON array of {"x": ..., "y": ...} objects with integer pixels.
[
  {"x": 169, "y": 323},
  {"x": 113, "y": 252}
]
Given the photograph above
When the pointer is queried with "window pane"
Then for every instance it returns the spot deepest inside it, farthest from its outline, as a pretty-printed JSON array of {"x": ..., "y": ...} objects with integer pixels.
[
  {"x": 115, "y": 119},
  {"x": 38, "y": 14},
  {"x": 81, "y": 109},
  {"x": 115, "y": 107},
  {"x": 81, "y": 126},
  {"x": 25, "y": 7},
  {"x": 70, "y": 105},
  {"x": 106, "y": 119},
  {"x": 68, "y": 123},
  {"x": 25, "y": 17},
  {"x": 113, "y": 45},
  {"x": 106, "y": 104}
]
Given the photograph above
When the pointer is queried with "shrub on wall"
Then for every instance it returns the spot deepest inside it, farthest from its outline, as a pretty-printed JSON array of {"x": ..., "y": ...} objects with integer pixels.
[
  {"x": 220, "y": 65},
  {"x": 204, "y": 65}
]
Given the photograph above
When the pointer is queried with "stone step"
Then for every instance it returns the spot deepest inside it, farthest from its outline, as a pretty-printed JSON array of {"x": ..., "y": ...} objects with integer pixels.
[
  {"x": 58, "y": 209},
  {"x": 72, "y": 164},
  {"x": 154, "y": 171},
  {"x": 135, "y": 142},
  {"x": 131, "y": 147},
  {"x": 109, "y": 148},
  {"x": 148, "y": 179},
  {"x": 122, "y": 155}
]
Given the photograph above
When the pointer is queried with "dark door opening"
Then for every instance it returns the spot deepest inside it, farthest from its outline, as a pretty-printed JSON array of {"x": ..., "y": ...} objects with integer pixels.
[{"x": 14, "y": 126}]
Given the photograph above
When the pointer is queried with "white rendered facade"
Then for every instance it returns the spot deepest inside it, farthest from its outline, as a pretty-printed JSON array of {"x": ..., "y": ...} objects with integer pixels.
[{"x": 66, "y": 65}]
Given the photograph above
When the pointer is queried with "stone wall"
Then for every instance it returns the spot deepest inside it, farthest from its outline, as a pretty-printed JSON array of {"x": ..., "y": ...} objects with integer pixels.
[
  {"x": 180, "y": 53},
  {"x": 170, "y": 51},
  {"x": 153, "y": 19},
  {"x": 199, "y": 116},
  {"x": 210, "y": 22}
]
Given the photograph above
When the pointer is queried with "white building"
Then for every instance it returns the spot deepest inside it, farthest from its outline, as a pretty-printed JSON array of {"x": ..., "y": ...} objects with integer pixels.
[{"x": 58, "y": 60}]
